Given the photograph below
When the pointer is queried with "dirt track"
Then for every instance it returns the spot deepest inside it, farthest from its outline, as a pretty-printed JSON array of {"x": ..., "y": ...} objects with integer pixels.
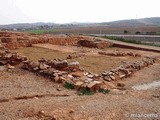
[{"x": 132, "y": 46}]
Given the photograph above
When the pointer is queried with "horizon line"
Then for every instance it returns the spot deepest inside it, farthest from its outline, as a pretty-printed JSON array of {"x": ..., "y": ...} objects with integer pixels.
[{"x": 75, "y": 22}]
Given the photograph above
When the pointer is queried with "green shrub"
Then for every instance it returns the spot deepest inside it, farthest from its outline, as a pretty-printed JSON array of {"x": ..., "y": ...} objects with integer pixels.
[
  {"x": 104, "y": 91},
  {"x": 123, "y": 40},
  {"x": 130, "y": 41},
  {"x": 125, "y": 31},
  {"x": 86, "y": 91},
  {"x": 69, "y": 85},
  {"x": 42, "y": 31}
]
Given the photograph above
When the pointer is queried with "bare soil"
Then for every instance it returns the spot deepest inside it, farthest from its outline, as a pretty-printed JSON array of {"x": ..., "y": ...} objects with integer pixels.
[
  {"x": 26, "y": 96},
  {"x": 90, "y": 61},
  {"x": 39, "y": 99}
]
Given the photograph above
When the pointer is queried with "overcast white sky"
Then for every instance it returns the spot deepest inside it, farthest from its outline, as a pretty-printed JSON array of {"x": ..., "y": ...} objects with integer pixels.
[{"x": 65, "y": 11}]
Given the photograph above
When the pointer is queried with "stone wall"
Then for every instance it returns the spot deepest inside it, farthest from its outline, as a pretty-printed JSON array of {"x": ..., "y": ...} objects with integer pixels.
[
  {"x": 61, "y": 71},
  {"x": 119, "y": 54},
  {"x": 127, "y": 70}
]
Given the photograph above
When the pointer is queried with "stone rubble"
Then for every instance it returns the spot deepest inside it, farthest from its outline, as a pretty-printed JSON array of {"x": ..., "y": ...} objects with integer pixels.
[
  {"x": 127, "y": 70},
  {"x": 119, "y": 54},
  {"x": 6, "y": 57},
  {"x": 62, "y": 75},
  {"x": 73, "y": 56}
]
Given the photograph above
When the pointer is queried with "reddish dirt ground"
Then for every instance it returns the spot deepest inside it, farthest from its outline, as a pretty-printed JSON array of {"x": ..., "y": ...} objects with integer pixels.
[
  {"x": 113, "y": 106},
  {"x": 27, "y": 96}
]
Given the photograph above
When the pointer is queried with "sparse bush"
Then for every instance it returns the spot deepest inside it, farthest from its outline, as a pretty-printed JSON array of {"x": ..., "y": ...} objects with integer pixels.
[
  {"x": 86, "y": 91},
  {"x": 104, "y": 91},
  {"x": 138, "y": 32},
  {"x": 68, "y": 85},
  {"x": 151, "y": 33},
  {"x": 130, "y": 41},
  {"x": 123, "y": 39},
  {"x": 125, "y": 31}
]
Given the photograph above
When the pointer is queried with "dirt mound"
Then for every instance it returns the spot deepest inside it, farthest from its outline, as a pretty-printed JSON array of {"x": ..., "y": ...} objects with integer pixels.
[
  {"x": 14, "y": 40},
  {"x": 94, "y": 44}
]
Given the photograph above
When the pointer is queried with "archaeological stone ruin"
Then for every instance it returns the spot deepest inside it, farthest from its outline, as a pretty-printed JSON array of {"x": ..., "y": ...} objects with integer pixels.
[{"x": 60, "y": 70}]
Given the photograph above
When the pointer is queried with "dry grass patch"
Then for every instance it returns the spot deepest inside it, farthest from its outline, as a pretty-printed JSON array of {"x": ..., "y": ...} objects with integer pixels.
[
  {"x": 35, "y": 53},
  {"x": 98, "y": 64},
  {"x": 91, "y": 63}
]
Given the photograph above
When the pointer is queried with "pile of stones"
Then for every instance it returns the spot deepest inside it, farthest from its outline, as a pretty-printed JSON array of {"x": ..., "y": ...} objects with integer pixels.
[
  {"x": 73, "y": 56},
  {"x": 56, "y": 64},
  {"x": 6, "y": 57},
  {"x": 119, "y": 54}
]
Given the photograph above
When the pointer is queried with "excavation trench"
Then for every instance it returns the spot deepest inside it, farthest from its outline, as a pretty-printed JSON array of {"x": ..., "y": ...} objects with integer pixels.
[{"x": 32, "y": 97}]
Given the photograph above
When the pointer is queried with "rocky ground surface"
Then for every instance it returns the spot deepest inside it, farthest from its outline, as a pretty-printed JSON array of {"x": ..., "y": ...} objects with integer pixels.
[
  {"x": 34, "y": 88},
  {"x": 25, "y": 96}
]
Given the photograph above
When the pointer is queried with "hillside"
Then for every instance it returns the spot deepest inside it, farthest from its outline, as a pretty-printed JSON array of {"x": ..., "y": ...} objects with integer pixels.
[
  {"x": 145, "y": 25},
  {"x": 154, "y": 21}
]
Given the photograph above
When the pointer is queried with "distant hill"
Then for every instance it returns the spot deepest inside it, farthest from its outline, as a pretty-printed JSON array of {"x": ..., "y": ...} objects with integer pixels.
[
  {"x": 39, "y": 25},
  {"x": 24, "y": 26},
  {"x": 153, "y": 21}
]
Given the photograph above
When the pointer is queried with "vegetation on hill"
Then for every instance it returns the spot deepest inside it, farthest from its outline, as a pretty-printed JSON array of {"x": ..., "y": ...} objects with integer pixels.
[
  {"x": 154, "y": 21},
  {"x": 42, "y": 31},
  {"x": 130, "y": 41}
]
